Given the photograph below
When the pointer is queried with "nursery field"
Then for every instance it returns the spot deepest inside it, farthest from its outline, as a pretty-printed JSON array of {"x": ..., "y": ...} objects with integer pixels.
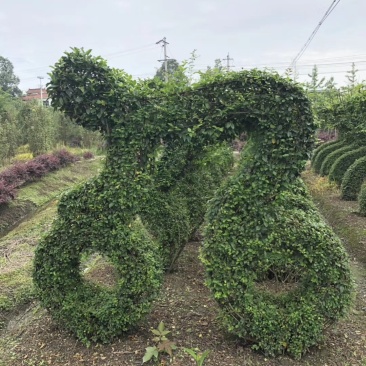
[{"x": 29, "y": 336}]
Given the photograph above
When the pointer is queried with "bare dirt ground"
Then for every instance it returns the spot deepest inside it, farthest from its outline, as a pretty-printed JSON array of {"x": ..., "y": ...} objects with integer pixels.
[{"x": 188, "y": 311}]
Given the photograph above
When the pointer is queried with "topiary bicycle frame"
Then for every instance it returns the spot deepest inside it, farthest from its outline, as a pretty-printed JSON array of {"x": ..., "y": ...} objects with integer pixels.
[{"x": 278, "y": 272}]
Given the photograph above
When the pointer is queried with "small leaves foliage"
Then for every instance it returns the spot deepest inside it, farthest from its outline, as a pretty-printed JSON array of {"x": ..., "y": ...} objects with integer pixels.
[
  {"x": 165, "y": 159},
  {"x": 353, "y": 179},
  {"x": 342, "y": 164},
  {"x": 362, "y": 200}
]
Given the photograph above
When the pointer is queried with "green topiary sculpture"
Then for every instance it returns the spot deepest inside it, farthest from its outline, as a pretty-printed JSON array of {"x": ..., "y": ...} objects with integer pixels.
[
  {"x": 276, "y": 269},
  {"x": 278, "y": 272}
]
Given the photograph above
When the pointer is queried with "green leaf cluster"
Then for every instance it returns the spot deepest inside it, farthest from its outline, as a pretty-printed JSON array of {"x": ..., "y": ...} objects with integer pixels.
[
  {"x": 162, "y": 344},
  {"x": 323, "y": 151},
  {"x": 362, "y": 200},
  {"x": 332, "y": 157},
  {"x": 278, "y": 272},
  {"x": 353, "y": 179},
  {"x": 348, "y": 114},
  {"x": 341, "y": 165},
  {"x": 198, "y": 357}
]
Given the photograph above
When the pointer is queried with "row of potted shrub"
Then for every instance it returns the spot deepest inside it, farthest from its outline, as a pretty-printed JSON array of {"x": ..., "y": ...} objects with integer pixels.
[{"x": 19, "y": 173}]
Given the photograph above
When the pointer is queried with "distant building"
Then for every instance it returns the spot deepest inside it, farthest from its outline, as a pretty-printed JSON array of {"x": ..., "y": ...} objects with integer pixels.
[{"x": 36, "y": 94}]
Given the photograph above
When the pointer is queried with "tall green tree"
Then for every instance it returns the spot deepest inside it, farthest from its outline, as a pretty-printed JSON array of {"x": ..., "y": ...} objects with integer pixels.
[
  {"x": 218, "y": 68},
  {"x": 8, "y": 81},
  {"x": 315, "y": 84},
  {"x": 38, "y": 127},
  {"x": 351, "y": 76}
]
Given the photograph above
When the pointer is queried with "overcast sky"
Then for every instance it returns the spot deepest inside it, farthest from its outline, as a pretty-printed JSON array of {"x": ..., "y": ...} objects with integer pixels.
[{"x": 34, "y": 34}]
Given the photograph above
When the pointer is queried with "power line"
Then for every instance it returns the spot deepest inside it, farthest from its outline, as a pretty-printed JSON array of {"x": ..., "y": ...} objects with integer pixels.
[
  {"x": 334, "y": 72},
  {"x": 281, "y": 65},
  {"x": 307, "y": 43}
]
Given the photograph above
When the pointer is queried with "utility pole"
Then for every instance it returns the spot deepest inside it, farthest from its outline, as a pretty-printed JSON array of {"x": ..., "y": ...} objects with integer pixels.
[
  {"x": 228, "y": 59},
  {"x": 40, "y": 85},
  {"x": 165, "y": 57}
]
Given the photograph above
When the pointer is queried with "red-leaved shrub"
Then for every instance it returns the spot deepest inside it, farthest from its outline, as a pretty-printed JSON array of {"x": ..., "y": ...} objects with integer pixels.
[
  {"x": 21, "y": 173},
  {"x": 50, "y": 162},
  {"x": 7, "y": 192},
  {"x": 35, "y": 170},
  {"x": 65, "y": 157},
  {"x": 326, "y": 136},
  {"x": 88, "y": 155}
]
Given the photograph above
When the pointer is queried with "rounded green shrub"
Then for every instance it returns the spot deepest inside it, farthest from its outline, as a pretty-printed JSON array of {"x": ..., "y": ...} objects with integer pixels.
[
  {"x": 332, "y": 157},
  {"x": 353, "y": 179},
  {"x": 341, "y": 165},
  {"x": 320, "y": 148},
  {"x": 319, "y": 158},
  {"x": 362, "y": 200}
]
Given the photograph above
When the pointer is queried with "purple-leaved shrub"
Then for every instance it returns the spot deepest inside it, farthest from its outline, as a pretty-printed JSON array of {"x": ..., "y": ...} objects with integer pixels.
[{"x": 20, "y": 173}]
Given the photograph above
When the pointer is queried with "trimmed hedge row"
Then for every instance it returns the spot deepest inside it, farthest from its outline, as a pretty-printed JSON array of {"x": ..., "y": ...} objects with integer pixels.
[
  {"x": 362, "y": 199},
  {"x": 324, "y": 152},
  {"x": 353, "y": 179},
  {"x": 332, "y": 157},
  {"x": 22, "y": 173},
  {"x": 342, "y": 164},
  {"x": 320, "y": 148}
]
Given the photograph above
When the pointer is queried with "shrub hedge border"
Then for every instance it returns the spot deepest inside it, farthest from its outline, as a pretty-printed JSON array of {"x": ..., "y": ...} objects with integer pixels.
[
  {"x": 342, "y": 164},
  {"x": 323, "y": 153},
  {"x": 353, "y": 179},
  {"x": 332, "y": 157}
]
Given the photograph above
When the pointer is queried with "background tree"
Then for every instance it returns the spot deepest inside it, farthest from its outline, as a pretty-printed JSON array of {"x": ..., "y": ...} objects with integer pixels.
[
  {"x": 218, "y": 68},
  {"x": 351, "y": 77},
  {"x": 315, "y": 84},
  {"x": 323, "y": 95},
  {"x": 8, "y": 81},
  {"x": 173, "y": 66}
]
